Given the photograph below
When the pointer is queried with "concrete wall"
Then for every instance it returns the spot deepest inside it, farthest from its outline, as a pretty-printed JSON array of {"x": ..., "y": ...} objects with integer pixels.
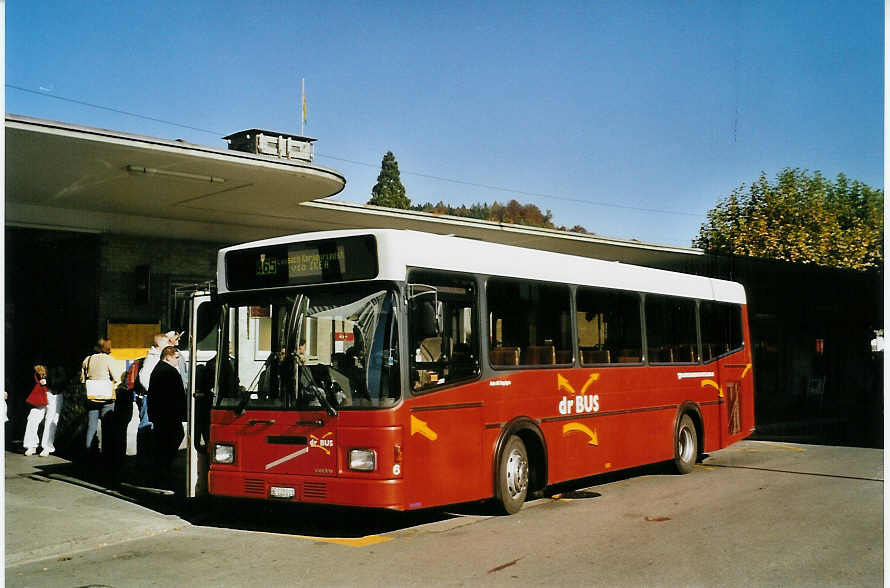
[{"x": 171, "y": 263}]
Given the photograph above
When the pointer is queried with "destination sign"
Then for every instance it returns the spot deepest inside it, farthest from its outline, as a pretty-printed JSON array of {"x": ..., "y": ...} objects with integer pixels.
[
  {"x": 294, "y": 264},
  {"x": 309, "y": 261}
]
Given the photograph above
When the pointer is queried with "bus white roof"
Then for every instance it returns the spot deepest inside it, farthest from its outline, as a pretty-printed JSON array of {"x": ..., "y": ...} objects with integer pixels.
[{"x": 400, "y": 250}]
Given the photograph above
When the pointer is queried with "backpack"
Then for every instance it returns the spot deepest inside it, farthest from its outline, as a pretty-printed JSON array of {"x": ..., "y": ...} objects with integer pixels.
[{"x": 133, "y": 383}]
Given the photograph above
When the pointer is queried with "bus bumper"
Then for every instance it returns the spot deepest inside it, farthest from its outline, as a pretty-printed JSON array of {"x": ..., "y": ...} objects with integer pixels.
[{"x": 310, "y": 489}]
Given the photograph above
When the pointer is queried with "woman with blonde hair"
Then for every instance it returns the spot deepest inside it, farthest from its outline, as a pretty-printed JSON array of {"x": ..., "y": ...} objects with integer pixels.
[{"x": 99, "y": 367}]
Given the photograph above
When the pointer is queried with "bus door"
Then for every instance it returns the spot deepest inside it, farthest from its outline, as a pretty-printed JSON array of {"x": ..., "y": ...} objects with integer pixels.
[
  {"x": 723, "y": 350},
  {"x": 203, "y": 317}
]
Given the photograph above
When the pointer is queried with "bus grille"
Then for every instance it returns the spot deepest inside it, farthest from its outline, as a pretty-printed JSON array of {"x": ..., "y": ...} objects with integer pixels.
[
  {"x": 254, "y": 486},
  {"x": 315, "y": 490}
]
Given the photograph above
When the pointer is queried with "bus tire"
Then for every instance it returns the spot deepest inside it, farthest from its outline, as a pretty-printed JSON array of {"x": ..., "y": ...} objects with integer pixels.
[
  {"x": 685, "y": 445},
  {"x": 512, "y": 476}
]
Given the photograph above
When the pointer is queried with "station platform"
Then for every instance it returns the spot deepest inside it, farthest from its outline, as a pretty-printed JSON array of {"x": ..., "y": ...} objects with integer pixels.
[{"x": 54, "y": 508}]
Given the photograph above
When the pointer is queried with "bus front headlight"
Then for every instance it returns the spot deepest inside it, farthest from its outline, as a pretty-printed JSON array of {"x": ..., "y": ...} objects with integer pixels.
[
  {"x": 223, "y": 453},
  {"x": 362, "y": 460}
]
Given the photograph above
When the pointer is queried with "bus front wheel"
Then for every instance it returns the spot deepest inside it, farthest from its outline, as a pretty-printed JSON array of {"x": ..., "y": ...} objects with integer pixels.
[
  {"x": 512, "y": 476},
  {"x": 685, "y": 445}
]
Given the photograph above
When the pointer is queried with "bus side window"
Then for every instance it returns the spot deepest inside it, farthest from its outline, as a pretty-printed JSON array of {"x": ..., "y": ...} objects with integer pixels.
[
  {"x": 721, "y": 330},
  {"x": 608, "y": 326},
  {"x": 671, "y": 333},
  {"x": 529, "y": 323}
]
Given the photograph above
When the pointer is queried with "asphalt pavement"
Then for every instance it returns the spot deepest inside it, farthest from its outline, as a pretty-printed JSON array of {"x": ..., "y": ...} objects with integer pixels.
[{"x": 757, "y": 513}]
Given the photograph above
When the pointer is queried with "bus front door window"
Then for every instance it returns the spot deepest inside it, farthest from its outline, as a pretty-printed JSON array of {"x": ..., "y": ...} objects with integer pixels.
[{"x": 442, "y": 318}]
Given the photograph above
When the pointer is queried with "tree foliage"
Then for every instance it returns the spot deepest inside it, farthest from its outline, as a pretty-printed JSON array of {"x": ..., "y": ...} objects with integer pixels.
[
  {"x": 513, "y": 212},
  {"x": 389, "y": 191},
  {"x": 802, "y": 218}
]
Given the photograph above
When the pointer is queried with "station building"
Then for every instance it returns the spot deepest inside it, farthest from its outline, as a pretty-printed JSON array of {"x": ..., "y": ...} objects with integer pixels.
[{"x": 103, "y": 228}]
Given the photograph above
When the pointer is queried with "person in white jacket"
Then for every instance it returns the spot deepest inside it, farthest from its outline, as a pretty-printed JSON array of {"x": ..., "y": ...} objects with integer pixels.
[{"x": 151, "y": 360}]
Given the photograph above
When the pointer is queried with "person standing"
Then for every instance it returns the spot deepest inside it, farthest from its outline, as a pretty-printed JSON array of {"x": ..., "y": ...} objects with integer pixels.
[
  {"x": 167, "y": 410},
  {"x": 145, "y": 433},
  {"x": 37, "y": 400},
  {"x": 99, "y": 366},
  {"x": 56, "y": 383},
  {"x": 173, "y": 338},
  {"x": 148, "y": 365}
]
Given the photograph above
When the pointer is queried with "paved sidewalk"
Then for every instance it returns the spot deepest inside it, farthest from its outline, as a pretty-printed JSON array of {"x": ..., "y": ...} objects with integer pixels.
[{"x": 52, "y": 510}]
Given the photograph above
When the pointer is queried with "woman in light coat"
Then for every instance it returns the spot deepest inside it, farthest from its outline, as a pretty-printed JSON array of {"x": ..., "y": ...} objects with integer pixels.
[{"x": 98, "y": 366}]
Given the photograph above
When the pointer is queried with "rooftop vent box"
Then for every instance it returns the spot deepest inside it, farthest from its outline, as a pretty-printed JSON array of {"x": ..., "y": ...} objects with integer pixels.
[{"x": 279, "y": 145}]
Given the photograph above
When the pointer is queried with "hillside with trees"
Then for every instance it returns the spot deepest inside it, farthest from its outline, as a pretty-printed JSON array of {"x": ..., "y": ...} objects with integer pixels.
[
  {"x": 390, "y": 192},
  {"x": 513, "y": 212}
]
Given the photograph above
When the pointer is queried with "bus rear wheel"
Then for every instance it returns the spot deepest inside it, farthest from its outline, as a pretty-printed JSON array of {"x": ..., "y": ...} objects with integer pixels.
[
  {"x": 685, "y": 445},
  {"x": 512, "y": 476}
]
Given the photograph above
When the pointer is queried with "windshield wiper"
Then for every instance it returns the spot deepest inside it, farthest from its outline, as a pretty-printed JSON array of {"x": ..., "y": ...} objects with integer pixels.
[
  {"x": 313, "y": 387},
  {"x": 323, "y": 399}
]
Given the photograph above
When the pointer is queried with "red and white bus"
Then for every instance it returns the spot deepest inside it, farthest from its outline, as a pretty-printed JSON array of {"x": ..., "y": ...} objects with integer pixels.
[{"x": 402, "y": 370}]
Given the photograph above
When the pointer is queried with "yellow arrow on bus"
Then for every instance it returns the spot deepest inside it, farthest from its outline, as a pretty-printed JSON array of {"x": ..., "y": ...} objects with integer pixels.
[
  {"x": 562, "y": 383},
  {"x": 593, "y": 378},
  {"x": 569, "y": 427},
  {"x": 419, "y": 426},
  {"x": 713, "y": 384}
]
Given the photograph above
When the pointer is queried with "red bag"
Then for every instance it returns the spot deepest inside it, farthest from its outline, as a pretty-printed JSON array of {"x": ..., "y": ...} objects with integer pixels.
[
  {"x": 37, "y": 397},
  {"x": 133, "y": 374}
]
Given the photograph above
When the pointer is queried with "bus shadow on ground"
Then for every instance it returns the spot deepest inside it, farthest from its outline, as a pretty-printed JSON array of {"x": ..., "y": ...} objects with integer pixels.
[
  {"x": 586, "y": 488},
  {"x": 267, "y": 516},
  {"x": 315, "y": 520}
]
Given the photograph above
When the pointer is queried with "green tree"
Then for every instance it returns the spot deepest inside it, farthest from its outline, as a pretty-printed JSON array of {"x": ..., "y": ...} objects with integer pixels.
[
  {"x": 802, "y": 218},
  {"x": 389, "y": 191}
]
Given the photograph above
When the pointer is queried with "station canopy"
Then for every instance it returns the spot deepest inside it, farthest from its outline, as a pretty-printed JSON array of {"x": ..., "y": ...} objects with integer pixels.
[{"x": 68, "y": 177}]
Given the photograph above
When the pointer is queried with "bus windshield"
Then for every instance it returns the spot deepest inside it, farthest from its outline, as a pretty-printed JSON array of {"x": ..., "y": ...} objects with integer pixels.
[{"x": 317, "y": 349}]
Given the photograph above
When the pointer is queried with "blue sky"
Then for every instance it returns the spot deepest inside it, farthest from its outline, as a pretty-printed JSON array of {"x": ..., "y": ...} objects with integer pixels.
[{"x": 629, "y": 118}]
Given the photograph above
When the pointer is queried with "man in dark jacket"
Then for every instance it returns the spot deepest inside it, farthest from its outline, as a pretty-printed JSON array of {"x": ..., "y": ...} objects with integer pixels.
[{"x": 168, "y": 410}]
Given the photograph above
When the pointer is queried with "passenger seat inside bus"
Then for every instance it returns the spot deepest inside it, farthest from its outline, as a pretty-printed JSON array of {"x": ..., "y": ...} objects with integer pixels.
[
  {"x": 629, "y": 356},
  {"x": 591, "y": 355},
  {"x": 430, "y": 349},
  {"x": 504, "y": 356},
  {"x": 540, "y": 355}
]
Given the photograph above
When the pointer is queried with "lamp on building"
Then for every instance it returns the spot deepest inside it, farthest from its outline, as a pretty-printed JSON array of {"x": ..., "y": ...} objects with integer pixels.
[{"x": 136, "y": 169}]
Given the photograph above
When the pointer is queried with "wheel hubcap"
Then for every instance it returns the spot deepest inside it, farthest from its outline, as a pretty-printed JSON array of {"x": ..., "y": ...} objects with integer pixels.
[
  {"x": 517, "y": 473},
  {"x": 685, "y": 445}
]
